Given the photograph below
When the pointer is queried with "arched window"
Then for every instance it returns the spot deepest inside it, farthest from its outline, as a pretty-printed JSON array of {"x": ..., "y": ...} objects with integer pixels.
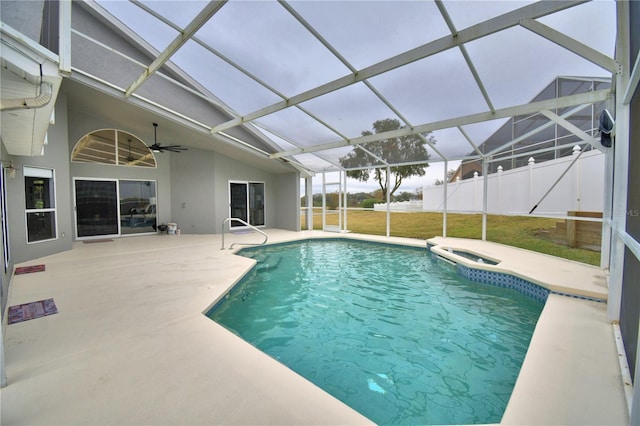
[{"x": 111, "y": 146}]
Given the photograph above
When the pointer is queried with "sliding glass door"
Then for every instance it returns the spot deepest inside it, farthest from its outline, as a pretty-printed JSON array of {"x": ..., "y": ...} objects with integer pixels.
[
  {"x": 246, "y": 202},
  {"x": 96, "y": 208},
  {"x": 110, "y": 207},
  {"x": 137, "y": 206}
]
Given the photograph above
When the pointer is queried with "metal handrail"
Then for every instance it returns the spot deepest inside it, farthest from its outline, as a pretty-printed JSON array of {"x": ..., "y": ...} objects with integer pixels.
[{"x": 229, "y": 219}]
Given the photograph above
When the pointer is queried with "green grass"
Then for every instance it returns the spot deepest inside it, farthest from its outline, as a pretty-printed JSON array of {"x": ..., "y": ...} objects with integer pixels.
[{"x": 528, "y": 233}]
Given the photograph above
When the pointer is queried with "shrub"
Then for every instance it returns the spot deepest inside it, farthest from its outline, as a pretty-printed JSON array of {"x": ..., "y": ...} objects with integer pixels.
[{"x": 369, "y": 202}]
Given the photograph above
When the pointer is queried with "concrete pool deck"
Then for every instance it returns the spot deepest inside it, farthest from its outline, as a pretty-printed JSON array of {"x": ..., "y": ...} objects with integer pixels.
[{"x": 130, "y": 344}]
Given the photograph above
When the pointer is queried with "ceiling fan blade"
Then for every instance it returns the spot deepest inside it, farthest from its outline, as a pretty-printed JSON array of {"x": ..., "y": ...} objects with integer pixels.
[{"x": 156, "y": 147}]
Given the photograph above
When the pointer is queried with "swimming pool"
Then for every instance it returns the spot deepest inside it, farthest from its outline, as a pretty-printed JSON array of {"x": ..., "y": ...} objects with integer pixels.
[{"x": 395, "y": 335}]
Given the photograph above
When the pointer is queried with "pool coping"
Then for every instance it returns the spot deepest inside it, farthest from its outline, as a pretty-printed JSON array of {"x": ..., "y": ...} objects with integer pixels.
[{"x": 589, "y": 286}]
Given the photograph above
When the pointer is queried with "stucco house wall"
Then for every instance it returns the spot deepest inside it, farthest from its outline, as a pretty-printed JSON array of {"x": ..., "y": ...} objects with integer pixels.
[{"x": 192, "y": 186}]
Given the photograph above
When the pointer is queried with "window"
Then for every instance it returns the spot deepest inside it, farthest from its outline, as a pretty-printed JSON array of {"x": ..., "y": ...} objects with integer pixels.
[
  {"x": 40, "y": 204},
  {"x": 110, "y": 146}
]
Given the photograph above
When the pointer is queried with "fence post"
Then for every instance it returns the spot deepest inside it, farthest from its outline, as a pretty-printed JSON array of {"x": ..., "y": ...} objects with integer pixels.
[
  {"x": 457, "y": 193},
  {"x": 576, "y": 180},
  {"x": 499, "y": 189},
  {"x": 475, "y": 191},
  {"x": 531, "y": 163},
  {"x": 485, "y": 197},
  {"x": 444, "y": 199}
]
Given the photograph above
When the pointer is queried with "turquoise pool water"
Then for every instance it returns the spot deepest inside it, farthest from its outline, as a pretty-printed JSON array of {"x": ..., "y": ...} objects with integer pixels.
[{"x": 395, "y": 335}]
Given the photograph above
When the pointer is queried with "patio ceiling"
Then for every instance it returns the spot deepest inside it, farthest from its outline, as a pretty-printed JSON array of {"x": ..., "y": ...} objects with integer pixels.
[{"x": 309, "y": 77}]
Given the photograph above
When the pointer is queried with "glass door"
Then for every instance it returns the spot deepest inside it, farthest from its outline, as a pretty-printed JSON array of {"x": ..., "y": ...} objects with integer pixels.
[
  {"x": 238, "y": 202},
  {"x": 256, "y": 204},
  {"x": 137, "y": 206},
  {"x": 246, "y": 202},
  {"x": 96, "y": 208}
]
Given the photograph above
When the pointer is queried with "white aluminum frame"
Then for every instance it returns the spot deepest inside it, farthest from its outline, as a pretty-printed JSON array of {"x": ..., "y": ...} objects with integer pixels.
[{"x": 53, "y": 209}]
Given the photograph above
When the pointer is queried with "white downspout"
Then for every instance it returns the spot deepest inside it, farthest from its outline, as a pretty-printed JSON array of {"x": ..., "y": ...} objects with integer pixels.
[{"x": 42, "y": 100}]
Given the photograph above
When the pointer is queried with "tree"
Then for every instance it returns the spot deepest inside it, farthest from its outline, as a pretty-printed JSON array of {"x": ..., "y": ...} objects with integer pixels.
[
  {"x": 398, "y": 150},
  {"x": 419, "y": 191},
  {"x": 403, "y": 196},
  {"x": 450, "y": 174}
]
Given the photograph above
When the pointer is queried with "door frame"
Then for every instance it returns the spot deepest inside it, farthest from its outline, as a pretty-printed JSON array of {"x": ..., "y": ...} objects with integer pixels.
[
  {"x": 247, "y": 184},
  {"x": 75, "y": 208},
  {"x": 117, "y": 182}
]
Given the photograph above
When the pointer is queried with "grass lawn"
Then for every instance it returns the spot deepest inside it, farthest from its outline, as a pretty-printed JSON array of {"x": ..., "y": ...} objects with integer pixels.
[{"x": 528, "y": 233}]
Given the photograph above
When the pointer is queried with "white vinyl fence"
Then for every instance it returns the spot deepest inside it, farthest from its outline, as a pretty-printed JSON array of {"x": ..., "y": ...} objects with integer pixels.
[{"x": 516, "y": 191}]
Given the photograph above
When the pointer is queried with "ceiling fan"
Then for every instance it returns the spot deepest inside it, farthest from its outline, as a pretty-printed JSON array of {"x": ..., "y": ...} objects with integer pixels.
[
  {"x": 156, "y": 147},
  {"x": 129, "y": 157}
]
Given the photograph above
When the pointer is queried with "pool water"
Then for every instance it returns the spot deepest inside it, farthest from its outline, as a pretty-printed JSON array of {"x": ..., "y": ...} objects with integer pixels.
[{"x": 398, "y": 337}]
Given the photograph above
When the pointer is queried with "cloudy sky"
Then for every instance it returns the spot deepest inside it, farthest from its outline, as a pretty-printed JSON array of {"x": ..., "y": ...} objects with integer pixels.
[{"x": 284, "y": 59}]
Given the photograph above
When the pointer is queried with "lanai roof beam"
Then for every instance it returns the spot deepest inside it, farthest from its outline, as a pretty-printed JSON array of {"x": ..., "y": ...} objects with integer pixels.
[
  {"x": 468, "y": 138},
  {"x": 465, "y": 54},
  {"x": 385, "y": 163},
  {"x": 289, "y": 141},
  {"x": 534, "y": 131},
  {"x": 491, "y": 26},
  {"x": 205, "y": 14},
  {"x": 237, "y": 67},
  {"x": 562, "y": 102},
  {"x": 571, "y": 44},
  {"x": 634, "y": 79},
  {"x": 571, "y": 127},
  {"x": 353, "y": 69}
]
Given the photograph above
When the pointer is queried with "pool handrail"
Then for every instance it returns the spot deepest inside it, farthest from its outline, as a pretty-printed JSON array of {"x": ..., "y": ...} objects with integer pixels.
[{"x": 229, "y": 219}]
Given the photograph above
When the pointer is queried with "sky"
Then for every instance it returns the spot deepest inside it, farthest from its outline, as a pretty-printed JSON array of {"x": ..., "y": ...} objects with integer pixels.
[{"x": 287, "y": 59}]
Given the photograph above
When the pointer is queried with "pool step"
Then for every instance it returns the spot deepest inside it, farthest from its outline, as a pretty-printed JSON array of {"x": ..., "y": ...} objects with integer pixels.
[{"x": 267, "y": 263}]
